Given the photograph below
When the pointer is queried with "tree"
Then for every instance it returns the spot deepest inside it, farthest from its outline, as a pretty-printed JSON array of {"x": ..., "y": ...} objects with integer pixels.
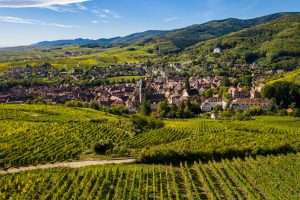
[
  {"x": 226, "y": 82},
  {"x": 208, "y": 93},
  {"x": 145, "y": 108},
  {"x": 163, "y": 109},
  {"x": 284, "y": 94}
]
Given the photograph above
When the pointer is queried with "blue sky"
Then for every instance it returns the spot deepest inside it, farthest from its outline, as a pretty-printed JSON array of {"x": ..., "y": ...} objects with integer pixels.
[{"x": 29, "y": 21}]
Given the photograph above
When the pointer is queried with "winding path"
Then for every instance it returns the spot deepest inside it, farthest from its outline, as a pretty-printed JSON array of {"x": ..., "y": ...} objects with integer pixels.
[{"x": 75, "y": 164}]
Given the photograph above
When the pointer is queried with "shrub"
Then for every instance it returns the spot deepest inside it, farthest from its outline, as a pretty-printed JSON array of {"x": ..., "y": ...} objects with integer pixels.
[
  {"x": 103, "y": 147},
  {"x": 142, "y": 123},
  {"x": 74, "y": 103}
]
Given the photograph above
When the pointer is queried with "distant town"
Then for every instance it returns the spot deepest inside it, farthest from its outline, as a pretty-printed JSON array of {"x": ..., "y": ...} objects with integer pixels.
[{"x": 154, "y": 85}]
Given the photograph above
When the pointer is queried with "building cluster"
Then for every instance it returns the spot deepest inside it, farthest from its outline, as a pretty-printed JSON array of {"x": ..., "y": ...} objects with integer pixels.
[
  {"x": 173, "y": 89},
  {"x": 239, "y": 99},
  {"x": 109, "y": 95},
  {"x": 176, "y": 90},
  {"x": 47, "y": 71}
]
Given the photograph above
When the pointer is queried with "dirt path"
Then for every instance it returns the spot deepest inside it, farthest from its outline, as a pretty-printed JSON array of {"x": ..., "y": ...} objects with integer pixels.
[{"x": 75, "y": 164}]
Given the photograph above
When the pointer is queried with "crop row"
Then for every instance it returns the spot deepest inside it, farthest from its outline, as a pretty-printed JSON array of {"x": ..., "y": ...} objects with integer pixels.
[
  {"x": 33, "y": 143},
  {"x": 250, "y": 179}
]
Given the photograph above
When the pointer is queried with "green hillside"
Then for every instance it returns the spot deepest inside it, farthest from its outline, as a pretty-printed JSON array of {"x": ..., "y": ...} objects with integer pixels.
[
  {"x": 267, "y": 43},
  {"x": 292, "y": 77},
  {"x": 75, "y": 56},
  {"x": 274, "y": 45},
  {"x": 57, "y": 133}
]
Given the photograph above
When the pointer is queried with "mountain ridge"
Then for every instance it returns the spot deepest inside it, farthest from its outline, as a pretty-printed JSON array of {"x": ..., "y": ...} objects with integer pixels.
[{"x": 181, "y": 37}]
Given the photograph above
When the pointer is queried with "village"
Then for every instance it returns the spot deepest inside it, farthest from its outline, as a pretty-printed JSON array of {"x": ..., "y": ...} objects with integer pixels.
[{"x": 131, "y": 94}]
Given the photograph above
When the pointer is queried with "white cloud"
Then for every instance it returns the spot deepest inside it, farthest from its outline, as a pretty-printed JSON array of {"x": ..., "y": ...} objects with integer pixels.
[
  {"x": 106, "y": 14},
  {"x": 36, "y": 3},
  {"x": 16, "y": 20},
  {"x": 19, "y": 20},
  {"x": 95, "y": 22},
  {"x": 170, "y": 19}
]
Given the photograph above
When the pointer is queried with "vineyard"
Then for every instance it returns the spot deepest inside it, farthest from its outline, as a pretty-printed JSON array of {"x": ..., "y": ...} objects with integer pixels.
[
  {"x": 32, "y": 135},
  {"x": 33, "y": 143},
  {"x": 37, "y": 134},
  {"x": 261, "y": 178},
  {"x": 206, "y": 139}
]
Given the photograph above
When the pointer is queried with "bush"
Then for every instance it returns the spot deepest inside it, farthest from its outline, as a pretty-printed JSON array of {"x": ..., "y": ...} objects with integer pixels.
[
  {"x": 297, "y": 112},
  {"x": 142, "y": 123},
  {"x": 254, "y": 112},
  {"x": 103, "y": 147},
  {"x": 74, "y": 103}
]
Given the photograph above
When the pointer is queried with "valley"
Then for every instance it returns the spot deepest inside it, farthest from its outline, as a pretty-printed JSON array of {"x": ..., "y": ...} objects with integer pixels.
[{"x": 209, "y": 111}]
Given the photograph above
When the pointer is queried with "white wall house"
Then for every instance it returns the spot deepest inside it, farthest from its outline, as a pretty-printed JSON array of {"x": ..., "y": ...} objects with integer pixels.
[
  {"x": 217, "y": 50},
  {"x": 209, "y": 104}
]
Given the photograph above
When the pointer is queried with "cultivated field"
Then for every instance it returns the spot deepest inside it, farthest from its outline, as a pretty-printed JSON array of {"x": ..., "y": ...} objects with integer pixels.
[
  {"x": 38, "y": 134},
  {"x": 261, "y": 178}
]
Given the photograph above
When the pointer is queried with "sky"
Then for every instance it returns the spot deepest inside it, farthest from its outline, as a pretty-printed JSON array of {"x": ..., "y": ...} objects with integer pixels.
[{"x": 30, "y": 21}]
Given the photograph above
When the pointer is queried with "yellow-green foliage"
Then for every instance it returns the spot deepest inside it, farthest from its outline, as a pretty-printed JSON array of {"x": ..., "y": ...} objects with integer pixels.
[
  {"x": 35, "y": 112},
  {"x": 293, "y": 77},
  {"x": 207, "y": 139},
  {"x": 260, "y": 178},
  {"x": 90, "y": 57},
  {"x": 32, "y": 134},
  {"x": 125, "y": 78}
]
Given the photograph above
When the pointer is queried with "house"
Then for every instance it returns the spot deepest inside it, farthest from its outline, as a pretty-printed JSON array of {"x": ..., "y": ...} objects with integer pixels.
[
  {"x": 209, "y": 104},
  {"x": 4, "y": 98},
  {"x": 174, "y": 99},
  {"x": 254, "y": 94},
  {"x": 238, "y": 93},
  {"x": 244, "y": 104},
  {"x": 217, "y": 50}
]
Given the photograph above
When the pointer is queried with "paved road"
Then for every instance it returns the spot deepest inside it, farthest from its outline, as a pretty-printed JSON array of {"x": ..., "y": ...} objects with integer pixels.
[{"x": 75, "y": 164}]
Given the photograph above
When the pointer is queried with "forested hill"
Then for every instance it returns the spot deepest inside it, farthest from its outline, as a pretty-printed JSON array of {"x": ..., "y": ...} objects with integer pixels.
[
  {"x": 178, "y": 38},
  {"x": 275, "y": 44},
  {"x": 191, "y": 35}
]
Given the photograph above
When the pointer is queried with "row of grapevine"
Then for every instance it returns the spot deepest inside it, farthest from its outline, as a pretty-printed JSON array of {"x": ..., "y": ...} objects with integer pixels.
[
  {"x": 236, "y": 179},
  {"x": 33, "y": 143},
  {"x": 210, "y": 141}
]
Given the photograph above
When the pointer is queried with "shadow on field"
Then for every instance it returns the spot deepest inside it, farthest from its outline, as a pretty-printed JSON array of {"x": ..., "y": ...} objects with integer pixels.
[{"x": 175, "y": 157}]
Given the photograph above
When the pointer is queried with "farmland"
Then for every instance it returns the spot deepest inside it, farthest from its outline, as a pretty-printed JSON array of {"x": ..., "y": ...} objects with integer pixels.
[
  {"x": 261, "y": 178},
  {"x": 208, "y": 139},
  {"x": 79, "y": 56},
  {"x": 32, "y": 134},
  {"x": 35, "y": 134}
]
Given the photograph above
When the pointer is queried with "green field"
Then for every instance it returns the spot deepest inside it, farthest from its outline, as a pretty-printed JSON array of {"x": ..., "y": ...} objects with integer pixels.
[
  {"x": 261, "y": 178},
  {"x": 209, "y": 139},
  {"x": 87, "y": 57},
  {"x": 34, "y": 134}
]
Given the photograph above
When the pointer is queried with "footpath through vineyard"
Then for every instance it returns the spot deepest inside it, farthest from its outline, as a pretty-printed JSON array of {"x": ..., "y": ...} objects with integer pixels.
[{"x": 76, "y": 164}]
